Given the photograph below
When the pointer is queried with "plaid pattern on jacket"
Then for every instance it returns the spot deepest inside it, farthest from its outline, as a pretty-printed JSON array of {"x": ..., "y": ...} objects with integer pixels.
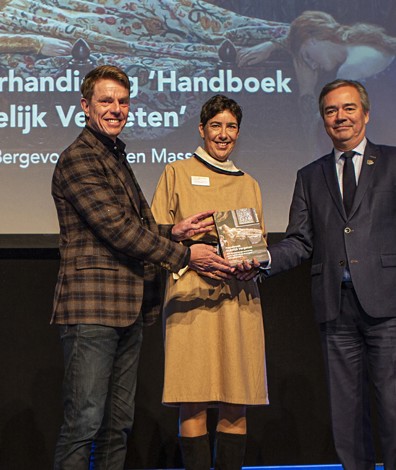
[{"x": 110, "y": 253}]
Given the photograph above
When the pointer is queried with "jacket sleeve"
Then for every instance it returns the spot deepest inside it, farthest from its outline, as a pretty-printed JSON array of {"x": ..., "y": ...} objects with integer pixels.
[
  {"x": 297, "y": 245},
  {"x": 84, "y": 183}
]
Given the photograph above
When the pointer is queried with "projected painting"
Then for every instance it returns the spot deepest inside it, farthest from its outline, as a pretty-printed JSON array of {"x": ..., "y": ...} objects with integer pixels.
[{"x": 271, "y": 56}]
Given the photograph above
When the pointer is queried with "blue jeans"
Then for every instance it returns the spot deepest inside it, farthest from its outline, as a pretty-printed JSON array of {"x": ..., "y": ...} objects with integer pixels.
[{"x": 98, "y": 395}]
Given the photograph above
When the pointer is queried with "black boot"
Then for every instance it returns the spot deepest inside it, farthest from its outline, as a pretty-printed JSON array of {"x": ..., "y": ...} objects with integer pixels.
[
  {"x": 196, "y": 452},
  {"x": 229, "y": 451}
]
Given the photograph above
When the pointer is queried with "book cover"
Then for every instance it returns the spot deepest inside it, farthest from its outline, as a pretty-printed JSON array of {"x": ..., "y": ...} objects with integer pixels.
[{"x": 240, "y": 235}]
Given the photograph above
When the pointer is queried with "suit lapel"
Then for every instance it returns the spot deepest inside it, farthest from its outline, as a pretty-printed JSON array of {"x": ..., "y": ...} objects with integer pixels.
[
  {"x": 144, "y": 211},
  {"x": 330, "y": 174},
  {"x": 370, "y": 157},
  {"x": 110, "y": 161},
  {"x": 371, "y": 154}
]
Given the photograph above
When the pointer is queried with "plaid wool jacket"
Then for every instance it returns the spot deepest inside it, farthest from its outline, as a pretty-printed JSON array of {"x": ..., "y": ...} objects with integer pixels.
[{"x": 111, "y": 253}]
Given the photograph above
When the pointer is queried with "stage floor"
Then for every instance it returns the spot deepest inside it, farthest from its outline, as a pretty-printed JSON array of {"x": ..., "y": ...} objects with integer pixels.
[
  {"x": 305, "y": 467},
  {"x": 294, "y": 467}
]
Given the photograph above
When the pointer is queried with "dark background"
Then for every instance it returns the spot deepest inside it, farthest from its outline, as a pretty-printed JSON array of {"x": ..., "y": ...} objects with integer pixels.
[{"x": 293, "y": 429}]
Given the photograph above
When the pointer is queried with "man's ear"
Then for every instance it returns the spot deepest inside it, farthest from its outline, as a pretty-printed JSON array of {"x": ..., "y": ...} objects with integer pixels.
[{"x": 85, "y": 106}]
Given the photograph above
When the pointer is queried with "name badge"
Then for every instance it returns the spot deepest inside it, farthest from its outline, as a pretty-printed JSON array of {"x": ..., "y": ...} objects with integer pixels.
[{"x": 200, "y": 181}]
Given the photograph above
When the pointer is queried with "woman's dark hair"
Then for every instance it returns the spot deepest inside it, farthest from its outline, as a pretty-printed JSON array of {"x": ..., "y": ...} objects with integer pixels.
[{"x": 217, "y": 104}]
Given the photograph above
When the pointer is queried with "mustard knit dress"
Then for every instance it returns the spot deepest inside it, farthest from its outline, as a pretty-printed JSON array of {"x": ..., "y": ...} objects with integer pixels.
[{"x": 214, "y": 334}]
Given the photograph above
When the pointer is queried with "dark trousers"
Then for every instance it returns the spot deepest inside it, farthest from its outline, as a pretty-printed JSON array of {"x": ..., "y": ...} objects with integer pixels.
[
  {"x": 359, "y": 349},
  {"x": 98, "y": 394}
]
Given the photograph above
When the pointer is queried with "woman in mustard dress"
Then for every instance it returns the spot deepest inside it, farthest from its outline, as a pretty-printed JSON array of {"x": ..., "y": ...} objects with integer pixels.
[{"x": 214, "y": 335}]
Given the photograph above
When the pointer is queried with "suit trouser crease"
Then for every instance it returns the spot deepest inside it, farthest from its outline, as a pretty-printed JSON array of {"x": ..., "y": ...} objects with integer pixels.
[{"x": 358, "y": 348}]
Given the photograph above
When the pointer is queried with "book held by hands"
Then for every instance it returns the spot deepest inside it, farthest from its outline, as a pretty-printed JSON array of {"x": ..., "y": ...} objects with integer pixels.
[{"x": 240, "y": 235}]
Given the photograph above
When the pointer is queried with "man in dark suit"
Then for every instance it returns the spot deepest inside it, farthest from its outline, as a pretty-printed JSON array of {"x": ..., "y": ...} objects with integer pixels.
[
  {"x": 343, "y": 217},
  {"x": 106, "y": 289}
]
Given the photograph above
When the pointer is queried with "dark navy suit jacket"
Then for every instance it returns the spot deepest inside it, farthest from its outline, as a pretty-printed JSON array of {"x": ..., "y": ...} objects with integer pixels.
[{"x": 365, "y": 241}]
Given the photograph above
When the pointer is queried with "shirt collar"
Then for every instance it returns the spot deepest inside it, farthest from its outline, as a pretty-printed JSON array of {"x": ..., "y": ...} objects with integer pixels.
[
  {"x": 228, "y": 165},
  {"x": 359, "y": 149},
  {"x": 116, "y": 148}
]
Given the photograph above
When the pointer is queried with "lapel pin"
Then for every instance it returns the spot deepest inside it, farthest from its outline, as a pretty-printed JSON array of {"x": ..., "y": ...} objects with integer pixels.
[{"x": 370, "y": 162}]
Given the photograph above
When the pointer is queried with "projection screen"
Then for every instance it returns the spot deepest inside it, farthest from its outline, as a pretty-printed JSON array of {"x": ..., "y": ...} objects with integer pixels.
[{"x": 271, "y": 56}]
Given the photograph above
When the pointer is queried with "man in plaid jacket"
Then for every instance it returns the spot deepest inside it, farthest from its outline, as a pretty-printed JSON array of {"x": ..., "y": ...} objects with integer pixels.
[{"x": 111, "y": 249}]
